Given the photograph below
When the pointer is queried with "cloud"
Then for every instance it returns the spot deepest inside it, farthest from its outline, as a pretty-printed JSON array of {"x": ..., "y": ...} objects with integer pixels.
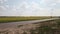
[
  {"x": 2, "y": 7},
  {"x": 29, "y": 8},
  {"x": 56, "y": 12},
  {"x": 57, "y": 1},
  {"x": 35, "y": 5},
  {"x": 1, "y": 1},
  {"x": 48, "y": 3},
  {"x": 5, "y": 0}
]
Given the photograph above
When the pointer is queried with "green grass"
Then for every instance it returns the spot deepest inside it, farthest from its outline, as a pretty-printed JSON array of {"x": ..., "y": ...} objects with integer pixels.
[{"x": 14, "y": 19}]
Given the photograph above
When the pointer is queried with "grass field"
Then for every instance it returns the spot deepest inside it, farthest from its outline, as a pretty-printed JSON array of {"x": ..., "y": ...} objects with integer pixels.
[{"x": 14, "y": 19}]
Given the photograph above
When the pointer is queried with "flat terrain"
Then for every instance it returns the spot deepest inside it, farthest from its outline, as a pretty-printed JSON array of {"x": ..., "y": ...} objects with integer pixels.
[
  {"x": 50, "y": 26},
  {"x": 15, "y": 24},
  {"x": 15, "y": 19}
]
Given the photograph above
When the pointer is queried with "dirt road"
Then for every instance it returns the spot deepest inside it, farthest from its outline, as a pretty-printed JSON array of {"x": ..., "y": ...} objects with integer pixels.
[{"x": 15, "y": 24}]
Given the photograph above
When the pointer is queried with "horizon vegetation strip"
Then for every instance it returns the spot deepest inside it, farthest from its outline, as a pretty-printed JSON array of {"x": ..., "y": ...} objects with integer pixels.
[{"x": 14, "y": 19}]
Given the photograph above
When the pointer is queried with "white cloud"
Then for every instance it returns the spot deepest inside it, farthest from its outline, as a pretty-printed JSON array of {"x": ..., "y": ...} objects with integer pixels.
[
  {"x": 2, "y": 7},
  {"x": 5, "y": 0},
  {"x": 57, "y": 1},
  {"x": 32, "y": 9},
  {"x": 1, "y": 1},
  {"x": 7, "y": 6},
  {"x": 35, "y": 5},
  {"x": 56, "y": 12}
]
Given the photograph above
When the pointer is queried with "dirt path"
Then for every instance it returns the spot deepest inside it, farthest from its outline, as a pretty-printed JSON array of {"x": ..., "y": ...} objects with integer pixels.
[{"x": 14, "y": 24}]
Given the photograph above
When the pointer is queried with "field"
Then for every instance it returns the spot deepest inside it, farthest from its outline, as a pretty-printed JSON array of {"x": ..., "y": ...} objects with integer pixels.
[
  {"x": 14, "y": 19},
  {"x": 46, "y": 27}
]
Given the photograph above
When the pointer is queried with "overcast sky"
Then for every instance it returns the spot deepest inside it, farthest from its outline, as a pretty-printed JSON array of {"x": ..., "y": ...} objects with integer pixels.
[{"x": 29, "y": 7}]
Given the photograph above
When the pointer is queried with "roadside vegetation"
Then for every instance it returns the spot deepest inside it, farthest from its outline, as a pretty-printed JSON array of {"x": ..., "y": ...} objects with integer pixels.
[
  {"x": 14, "y": 19},
  {"x": 52, "y": 29}
]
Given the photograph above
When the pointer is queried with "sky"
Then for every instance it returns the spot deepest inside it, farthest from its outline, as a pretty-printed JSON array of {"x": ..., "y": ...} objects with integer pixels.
[{"x": 29, "y": 7}]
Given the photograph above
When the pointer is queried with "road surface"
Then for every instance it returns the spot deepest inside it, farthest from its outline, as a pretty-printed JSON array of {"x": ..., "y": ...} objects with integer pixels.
[{"x": 14, "y": 24}]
